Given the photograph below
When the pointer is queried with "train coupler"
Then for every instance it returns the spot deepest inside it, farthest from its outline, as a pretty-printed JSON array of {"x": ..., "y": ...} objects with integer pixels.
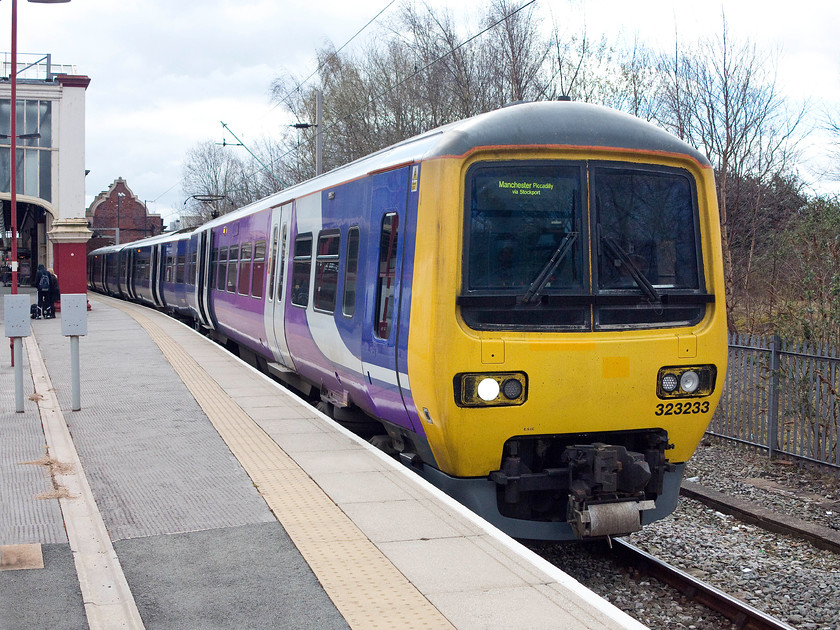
[{"x": 607, "y": 519}]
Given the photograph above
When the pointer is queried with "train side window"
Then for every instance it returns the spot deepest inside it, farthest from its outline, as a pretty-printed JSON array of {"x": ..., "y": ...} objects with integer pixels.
[
  {"x": 301, "y": 267},
  {"x": 221, "y": 276},
  {"x": 179, "y": 268},
  {"x": 386, "y": 275},
  {"x": 245, "y": 264},
  {"x": 191, "y": 268},
  {"x": 351, "y": 269},
  {"x": 170, "y": 264},
  {"x": 232, "y": 268},
  {"x": 326, "y": 272},
  {"x": 214, "y": 262},
  {"x": 272, "y": 264},
  {"x": 258, "y": 275}
]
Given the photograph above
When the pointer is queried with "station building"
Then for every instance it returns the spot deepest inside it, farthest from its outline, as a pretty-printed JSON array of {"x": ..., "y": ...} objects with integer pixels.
[{"x": 50, "y": 156}]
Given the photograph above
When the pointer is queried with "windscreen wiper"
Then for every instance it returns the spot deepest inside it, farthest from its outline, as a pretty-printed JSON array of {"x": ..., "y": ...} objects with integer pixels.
[
  {"x": 638, "y": 277},
  {"x": 533, "y": 292}
]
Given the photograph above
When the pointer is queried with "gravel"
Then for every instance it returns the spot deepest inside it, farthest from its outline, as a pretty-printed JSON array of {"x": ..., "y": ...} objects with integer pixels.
[{"x": 780, "y": 575}]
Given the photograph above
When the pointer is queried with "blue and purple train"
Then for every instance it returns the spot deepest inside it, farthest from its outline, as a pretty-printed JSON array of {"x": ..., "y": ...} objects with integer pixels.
[{"x": 527, "y": 305}]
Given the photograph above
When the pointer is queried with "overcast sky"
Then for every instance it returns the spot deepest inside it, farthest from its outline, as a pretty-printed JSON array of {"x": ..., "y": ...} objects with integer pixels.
[{"x": 165, "y": 73}]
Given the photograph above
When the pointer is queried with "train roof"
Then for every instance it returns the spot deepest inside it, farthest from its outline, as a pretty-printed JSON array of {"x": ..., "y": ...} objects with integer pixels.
[
  {"x": 544, "y": 123},
  {"x": 143, "y": 242}
]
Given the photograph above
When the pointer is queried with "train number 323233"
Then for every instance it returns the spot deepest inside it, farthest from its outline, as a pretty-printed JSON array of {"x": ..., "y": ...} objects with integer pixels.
[{"x": 681, "y": 408}]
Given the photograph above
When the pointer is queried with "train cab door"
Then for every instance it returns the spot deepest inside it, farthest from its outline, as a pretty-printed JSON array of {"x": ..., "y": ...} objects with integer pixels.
[
  {"x": 278, "y": 269},
  {"x": 380, "y": 349}
]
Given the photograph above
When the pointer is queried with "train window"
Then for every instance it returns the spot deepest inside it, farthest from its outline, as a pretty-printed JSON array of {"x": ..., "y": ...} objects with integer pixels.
[
  {"x": 326, "y": 272},
  {"x": 301, "y": 267},
  {"x": 221, "y": 276},
  {"x": 386, "y": 276},
  {"x": 272, "y": 263},
  {"x": 232, "y": 268},
  {"x": 584, "y": 246},
  {"x": 348, "y": 305},
  {"x": 192, "y": 268},
  {"x": 514, "y": 235},
  {"x": 258, "y": 275},
  {"x": 169, "y": 264},
  {"x": 284, "y": 250},
  {"x": 179, "y": 268},
  {"x": 647, "y": 216},
  {"x": 245, "y": 264},
  {"x": 214, "y": 263},
  {"x": 647, "y": 238}
]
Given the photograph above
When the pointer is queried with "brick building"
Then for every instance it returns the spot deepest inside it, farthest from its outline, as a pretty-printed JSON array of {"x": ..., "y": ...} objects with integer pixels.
[{"x": 118, "y": 216}]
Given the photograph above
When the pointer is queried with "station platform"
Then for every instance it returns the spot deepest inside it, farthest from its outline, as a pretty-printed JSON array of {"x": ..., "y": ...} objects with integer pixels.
[{"x": 190, "y": 491}]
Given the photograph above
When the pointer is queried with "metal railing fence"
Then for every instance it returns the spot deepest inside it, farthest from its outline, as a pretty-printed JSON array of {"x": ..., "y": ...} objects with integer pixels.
[{"x": 782, "y": 397}]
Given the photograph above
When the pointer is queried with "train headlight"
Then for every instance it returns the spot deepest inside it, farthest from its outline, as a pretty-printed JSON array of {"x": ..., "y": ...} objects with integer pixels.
[
  {"x": 494, "y": 389},
  {"x": 689, "y": 381},
  {"x": 488, "y": 389}
]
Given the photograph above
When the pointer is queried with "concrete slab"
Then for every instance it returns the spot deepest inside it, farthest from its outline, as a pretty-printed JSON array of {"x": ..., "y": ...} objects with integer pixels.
[
  {"x": 43, "y": 598},
  {"x": 237, "y": 577}
]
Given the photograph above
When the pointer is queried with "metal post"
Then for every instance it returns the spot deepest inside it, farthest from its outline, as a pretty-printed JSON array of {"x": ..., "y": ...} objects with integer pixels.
[
  {"x": 74, "y": 372},
  {"x": 319, "y": 136},
  {"x": 773, "y": 407},
  {"x": 18, "y": 374},
  {"x": 13, "y": 155}
]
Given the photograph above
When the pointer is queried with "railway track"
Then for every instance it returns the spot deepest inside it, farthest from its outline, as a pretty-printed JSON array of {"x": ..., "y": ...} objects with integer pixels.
[
  {"x": 748, "y": 512},
  {"x": 741, "y": 614}
]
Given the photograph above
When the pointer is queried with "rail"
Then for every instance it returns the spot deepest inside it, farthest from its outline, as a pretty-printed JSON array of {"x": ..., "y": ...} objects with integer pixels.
[{"x": 741, "y": 613}]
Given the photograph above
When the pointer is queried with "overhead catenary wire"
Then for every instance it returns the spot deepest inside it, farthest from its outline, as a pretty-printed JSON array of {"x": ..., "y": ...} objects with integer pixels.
[
  {"x": 332, "y": 56},
  {"x": 375, "y": 98},
  {"x": 299, "y": 85}
]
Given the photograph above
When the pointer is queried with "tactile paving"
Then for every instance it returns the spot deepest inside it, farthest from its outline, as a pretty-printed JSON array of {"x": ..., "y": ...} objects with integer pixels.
[{"x": 368, "y": 590}]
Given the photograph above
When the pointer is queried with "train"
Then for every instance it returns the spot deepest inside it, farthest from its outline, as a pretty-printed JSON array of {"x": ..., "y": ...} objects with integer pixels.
[{"x": 526, "y": 307}]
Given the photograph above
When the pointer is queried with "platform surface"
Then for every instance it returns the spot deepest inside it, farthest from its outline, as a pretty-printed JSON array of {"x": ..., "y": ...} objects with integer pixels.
[{"x": 190, "y": 491}]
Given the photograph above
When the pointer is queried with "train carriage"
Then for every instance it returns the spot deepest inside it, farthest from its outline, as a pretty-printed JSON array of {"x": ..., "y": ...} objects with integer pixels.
[{"x": 528, "y": 302}]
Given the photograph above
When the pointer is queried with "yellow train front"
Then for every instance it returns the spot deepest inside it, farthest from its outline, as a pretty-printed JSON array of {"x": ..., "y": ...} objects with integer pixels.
[{"x": 567, "y": 343}]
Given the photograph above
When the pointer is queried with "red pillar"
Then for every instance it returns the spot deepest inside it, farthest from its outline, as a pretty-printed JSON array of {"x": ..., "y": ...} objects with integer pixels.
[{"x": 69, "y": 237}]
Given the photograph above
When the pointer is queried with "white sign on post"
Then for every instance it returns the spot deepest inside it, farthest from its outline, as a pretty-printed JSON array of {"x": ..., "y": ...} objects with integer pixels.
[
  {"x": 16, "y": 315},
  {"x": 74, "y": 314}
]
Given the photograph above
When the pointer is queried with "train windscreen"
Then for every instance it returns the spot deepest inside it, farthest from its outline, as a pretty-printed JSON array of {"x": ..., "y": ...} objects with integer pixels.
[{"x": 580, "y": 246}]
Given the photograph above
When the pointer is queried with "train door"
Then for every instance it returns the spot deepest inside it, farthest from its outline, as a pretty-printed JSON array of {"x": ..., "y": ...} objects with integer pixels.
[
  {"x": 385, "y": 256},
  {"x": 202, "y": 280},
  {"x": 129, "y": 274},
  {"x": 156, "y": 276},
  {"x": 275, "y": 305}
]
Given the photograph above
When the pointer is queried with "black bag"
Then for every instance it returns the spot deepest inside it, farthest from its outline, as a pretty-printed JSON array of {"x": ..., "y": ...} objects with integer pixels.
[
  {"x": 44, "y": 282},
  {"x": 35, "y": 312}
]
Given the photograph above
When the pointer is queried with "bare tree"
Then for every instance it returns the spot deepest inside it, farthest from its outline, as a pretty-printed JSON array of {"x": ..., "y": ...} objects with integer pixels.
[
  {"x": 210, "y": 171},
  {"x": 519, "y": 51},
  {"x": 723, "y": 98},
  {"x": 216, "y": 180}
]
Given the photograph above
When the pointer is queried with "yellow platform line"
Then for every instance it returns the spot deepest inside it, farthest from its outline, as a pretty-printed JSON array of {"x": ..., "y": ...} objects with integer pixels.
[{"x": 366, "y": 588}]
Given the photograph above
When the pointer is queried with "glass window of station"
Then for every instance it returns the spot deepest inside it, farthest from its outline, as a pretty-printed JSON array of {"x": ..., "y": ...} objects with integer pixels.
[
  {"x": 33, "y": 147},
  {"x": 580, "y": 246}
]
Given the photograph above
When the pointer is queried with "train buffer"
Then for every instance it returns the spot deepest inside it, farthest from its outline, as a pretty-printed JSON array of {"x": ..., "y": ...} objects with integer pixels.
[{"x": 191, "y": 491}]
